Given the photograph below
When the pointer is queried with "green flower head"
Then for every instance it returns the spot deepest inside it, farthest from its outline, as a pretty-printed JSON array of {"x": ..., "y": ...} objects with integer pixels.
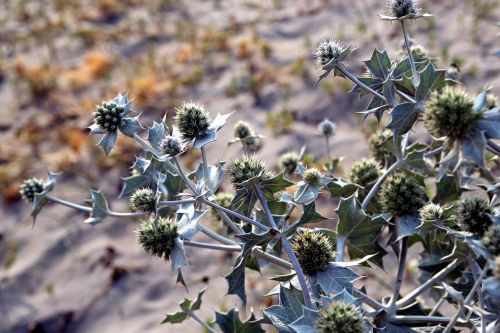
[
  {"x": 472, "y": 216},
  {"x": 449, "y": 113},
  {"x": 143, "y": 200},
  {"x": 223, "y": 199},
  {"x": 108, "y": 116},
  {"x": 246, "y": 168},
  {"x": 328, "y": 50},
  {"x": 192, "y": 120},
  {"x": 171, "y": 145},
  {"x": 30, "y": 187},
  {"x": 313, "y": 250},
  {"x": 289, "y": 162},
  {"x": 491, "y": 239},
  {"x": 377, "y": 149},
  {"x": 401, "y": 194},
  {"x": 340, "y": 317},
  {"x": 158, "y": 239},
  {"x": 312, "y": 176},
  {"x": 242, "y": 130},
  {"x": 431, "y": 213},
  {"x": 364, "y": 172},
  {"x": 401, "y": 8}
]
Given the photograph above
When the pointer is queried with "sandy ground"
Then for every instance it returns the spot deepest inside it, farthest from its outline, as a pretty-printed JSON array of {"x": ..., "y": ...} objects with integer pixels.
[{"x": 71, "y": 277}]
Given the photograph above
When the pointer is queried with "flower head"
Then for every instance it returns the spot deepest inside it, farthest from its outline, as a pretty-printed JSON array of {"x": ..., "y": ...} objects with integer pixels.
[
  {"x": 289, "y": 162},
  {"x": 313, "y": 250},
  {"x": 109, "y": 116},
  {"x": 327, "y": 128},
  {"x": 340, "y": 317},
  {"x": 329, "y": 51},
  {"x": 402, "y": 8},
  {"x": 143, "y": 200},
  {"x": 401, "y": 194},
  {"x": 450, "y": 113},
  {"x": 312, "y": 176},
  {"x": 242, "y": 130},
  {"x": 223, "y": 199},
  {"x": 192, "y": 120},
  {"x": 30, "y": 187},
  {"x": 377, "y": 149},
  {"x": 246, "y": 168},
  {"x": 364, "y": 172},
  {"x": 491, "y": 239},
  {"x": 171, "y": 145},
  {"x": 158, "y": 239},
  {"x": 473, "y": 216},
  {"x": 431, "y": 213}
]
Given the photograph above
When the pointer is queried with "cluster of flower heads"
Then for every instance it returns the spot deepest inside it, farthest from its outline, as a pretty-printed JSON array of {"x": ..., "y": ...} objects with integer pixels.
[{"x": 109, "y": 116}]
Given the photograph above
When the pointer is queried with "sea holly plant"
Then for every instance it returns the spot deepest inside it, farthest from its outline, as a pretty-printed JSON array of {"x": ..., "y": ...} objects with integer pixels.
[{"x": 438, "y": 197}]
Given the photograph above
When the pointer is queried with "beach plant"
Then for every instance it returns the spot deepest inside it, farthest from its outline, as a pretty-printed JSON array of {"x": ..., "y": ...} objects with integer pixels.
[{"x": 439, "y": 196}]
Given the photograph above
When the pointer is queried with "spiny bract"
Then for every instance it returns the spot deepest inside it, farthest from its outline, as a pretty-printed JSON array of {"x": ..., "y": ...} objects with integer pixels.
[
  {"x": 108, "y": 116},
  {"x": 192, "y": 120},
  {"x": 472, "y": 216},
  {"x": 401, "y": 194},
  {"x": 340, "y": 317},
  {"x": 158, "y": 239},
  {"x": 171, "y": 146},
  {"x": 289, "y": 162},
  {"x": 143, "y": 200},
  {"x": 449, "y": 113},
  {"x": 491, "y": 239},
  {"x": 29, "y": 187},
  {"x": 364, "y": 172},
  {"x": 313, "y": 250},
  {"x": 246, "y": 168}
]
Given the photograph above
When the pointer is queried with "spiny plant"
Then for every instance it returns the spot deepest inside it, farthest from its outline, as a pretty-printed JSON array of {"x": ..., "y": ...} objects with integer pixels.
[{"x": 270, "y": 216}]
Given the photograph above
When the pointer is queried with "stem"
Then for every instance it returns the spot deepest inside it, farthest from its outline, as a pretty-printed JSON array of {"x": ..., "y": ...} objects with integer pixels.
[
  {"x": 205, "y": 165},
  {"x": 235, "y": 214},
  {"x": 211, "y": 246},
  {"x": 416, "y": 75},
  {"x": 438, "y": 304},
  {"x": 234, "y": 227},
  {"x": 405, "y": 96},
  {"x": 210, "y": 233},
  {"x": 399, "y": 278},
  {"x": 421, "y": 320},
  {"x": 258, "y": 252},
  {"x": 288, "y": 249},
  {"x": 201, "y": 322},
  {"x": 376, "y": 305},
  {"x": 174, "y": 202},
  {"x": 327, "y": 141},
  {"x": 188, "y": 182},
  {"x": 379, "y": 182},
  {"x": 354, "y": 79},
  {"x": 408, "y": 299},
  {"x": 340, "y": 246}
]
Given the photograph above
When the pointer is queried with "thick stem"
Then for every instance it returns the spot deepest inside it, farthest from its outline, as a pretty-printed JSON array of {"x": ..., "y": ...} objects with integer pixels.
[
  {"x": 220, "y": 247},
  {"x": 162, "y": 204},
  {"x": 379, "y": 182},
  {"x": 408, "y": 299},
  {"x": 340, "y": 247},
  {"x": 205, "y": 165},
  {"x": 374, "y": 304},
  {"x": 354, "y": 79},
  {"x": 210, "y": 233},
  {"x": 422, "y": 320},
  {"x": 438, "y": 304},
  {"x": 415, "y": 74},
  {"x": 327, "y": 143},
  {"x": 399, "y": 278},
  {"x": 201, "y": 322},
  {"x": 235, "y": 214},
  {"x": 230, "y": 223},
  {"x": 188, "y": 182},
  {"x": 265, "y": 207}
]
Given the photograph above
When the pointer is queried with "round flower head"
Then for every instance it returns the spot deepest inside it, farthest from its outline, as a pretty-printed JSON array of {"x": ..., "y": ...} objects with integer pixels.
[
  {"x": 223, "y": 199},
  {"x": 171, "y": 145},
  {"x": 246, "y": 168},
  {"x": 313, "y": 250},
  {"x": 289, "y": 162},
  {"x": 327, "y": 128},
  {"x": 29, "y": 187},
  {"x": 143, "y": 200},
  {"x": 158, "y": 239},
  {"x": 329, "y": 51},
  {"x": 340, "y": 317},
  {"x": 108, "y": 116},
  {"x": 491, "y": 239},
  {"x": 192, "y": 120},
  {"x": 491, "y": 100},
  {"x": 242, "y": 130},
  {"x": 377, "y": 150},
  {"x": 472, "y": 216},
  {"x": 449, "y": 113},
  {"x": 401, "y": 194},
  {"x": 364, "y": 172},
  {"x": 401, "y": 8},
  {"x": 431, "y": 213},
  {"x": 312, "y": 176}
]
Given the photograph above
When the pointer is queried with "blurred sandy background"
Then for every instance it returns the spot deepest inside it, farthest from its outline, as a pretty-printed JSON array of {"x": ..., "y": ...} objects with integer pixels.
[{"x": 59, "y": 58}]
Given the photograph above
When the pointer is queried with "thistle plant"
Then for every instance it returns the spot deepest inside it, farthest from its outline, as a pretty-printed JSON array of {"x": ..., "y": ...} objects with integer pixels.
[{"x": 409, "y": 194}]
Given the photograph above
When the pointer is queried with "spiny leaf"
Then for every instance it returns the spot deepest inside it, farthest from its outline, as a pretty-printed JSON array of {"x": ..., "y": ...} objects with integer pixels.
[
  {"x": 99, "y": 207},
  {"x": 230, "y": 322}
]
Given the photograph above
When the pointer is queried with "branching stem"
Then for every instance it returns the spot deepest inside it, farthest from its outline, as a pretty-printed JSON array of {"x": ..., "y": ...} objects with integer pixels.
[
  {"x": 391, "y": 309},
  {"x": 379, "y": 182},
  {"x": 415, "y": 74}
]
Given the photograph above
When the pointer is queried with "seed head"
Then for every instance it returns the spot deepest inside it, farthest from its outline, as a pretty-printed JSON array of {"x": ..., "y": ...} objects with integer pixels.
[
  {"x": 401, "y": 194},
  {"x": 31, "y": 186},
  {"x": 340, "y": 317},
  {"x": 401, "y": 8},
  {"x": 246, "y": 168},
  {"x": 312, "y": 176},
  {"x": 449, "y": 113},
  {"x": 491, "y": 239},
  {"x": 364, "y": 172},
  {"x": 472, "y": 216},
  {"x": 242, "y": 130},
  {"x": 171, "y": 145},
  {"x": 431, "y": 213},
  {"x": 192, "y": 120},
  {"x": 375, "y": 145},
  {"x": 327, "y": 128},
  {"x": 313, "y": 250},
  {"x": 159, "y": 239},
  {"x": 328, "y": 50},
  {"x": 143, "y": 200},
  {"x": 109, "y": 116},
  {"x": 289, "y": 162}
]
